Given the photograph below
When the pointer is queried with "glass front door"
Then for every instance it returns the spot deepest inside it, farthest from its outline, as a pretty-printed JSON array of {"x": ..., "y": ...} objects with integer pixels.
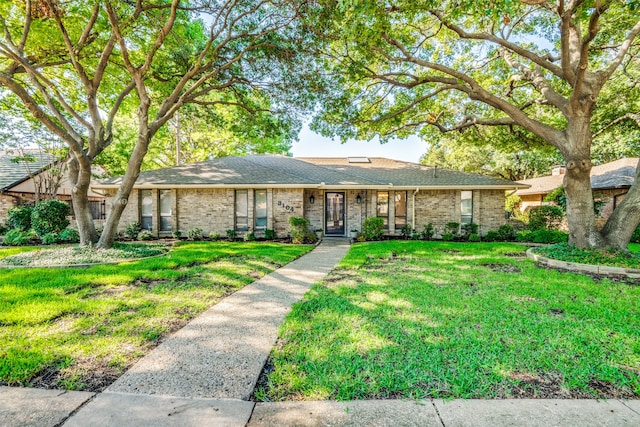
[{"x": 334, "y": 214}]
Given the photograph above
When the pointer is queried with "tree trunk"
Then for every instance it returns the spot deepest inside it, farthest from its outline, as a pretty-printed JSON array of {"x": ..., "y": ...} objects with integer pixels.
[
  {"x": 122, "y": 196},
  {"x": 624, "y": 219},
  {"x": 80, "y": 179}
]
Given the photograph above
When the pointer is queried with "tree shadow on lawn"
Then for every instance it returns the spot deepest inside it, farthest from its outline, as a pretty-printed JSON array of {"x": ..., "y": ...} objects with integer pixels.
[{"x": 441, "y": 327}]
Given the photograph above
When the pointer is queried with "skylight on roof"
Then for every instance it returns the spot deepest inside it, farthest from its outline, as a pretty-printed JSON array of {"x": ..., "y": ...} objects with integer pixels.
[{"x": 359, "y": 160}]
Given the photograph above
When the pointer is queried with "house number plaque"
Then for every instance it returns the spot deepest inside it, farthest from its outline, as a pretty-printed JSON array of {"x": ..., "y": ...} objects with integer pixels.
[{"x": 285, "y": 207}]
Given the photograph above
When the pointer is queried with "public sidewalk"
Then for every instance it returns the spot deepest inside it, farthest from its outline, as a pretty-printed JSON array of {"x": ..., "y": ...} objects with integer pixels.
[{"x": 204, "y": 374}]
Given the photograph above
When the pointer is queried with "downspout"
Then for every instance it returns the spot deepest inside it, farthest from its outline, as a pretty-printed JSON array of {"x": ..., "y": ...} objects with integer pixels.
[{"x": 413, "y": 209}]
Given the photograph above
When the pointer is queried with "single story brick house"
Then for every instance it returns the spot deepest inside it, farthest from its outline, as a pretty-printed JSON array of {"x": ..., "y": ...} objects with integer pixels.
[
  {"x": 610, "y": 183},
  {"x": 261, "y": 192}
]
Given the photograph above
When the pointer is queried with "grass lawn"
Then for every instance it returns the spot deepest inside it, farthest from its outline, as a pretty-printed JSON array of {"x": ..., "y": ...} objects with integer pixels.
[
  {"x": 81, "y": 328},
  {"x": 406, "y": 319}
]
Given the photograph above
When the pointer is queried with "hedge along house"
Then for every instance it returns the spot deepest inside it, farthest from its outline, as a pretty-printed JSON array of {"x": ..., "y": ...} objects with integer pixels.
[{"x": 336, "y": 194}]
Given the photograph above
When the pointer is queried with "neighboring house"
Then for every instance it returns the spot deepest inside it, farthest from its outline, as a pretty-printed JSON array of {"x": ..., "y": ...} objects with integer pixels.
[
  {"x": 336, "y": 194},
  {"x": 18, "y": 182},
  {"x": 610, "y": 183}
]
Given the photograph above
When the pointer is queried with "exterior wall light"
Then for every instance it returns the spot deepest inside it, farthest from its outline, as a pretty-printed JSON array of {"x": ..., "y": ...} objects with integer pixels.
[
  {"x": 312, "y": 199},
  {"x": 358, "y": 199}
]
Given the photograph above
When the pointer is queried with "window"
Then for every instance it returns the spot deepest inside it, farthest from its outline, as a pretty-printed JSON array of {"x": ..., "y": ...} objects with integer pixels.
[
  {"x": 401, "y": 209},
  {"x": 146, "y": 210},
  {"x": 466, "y": 207},
  {"x": 166, "y": 207},
  {"x": 242, "y": 209},
  {"x": 260, "y": 203},
  {"x": 383, "y": 207}
]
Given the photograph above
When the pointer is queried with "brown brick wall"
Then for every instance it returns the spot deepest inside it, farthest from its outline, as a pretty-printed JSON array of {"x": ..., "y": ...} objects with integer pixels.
[
  {"x": 286, "y": 203},
  {"x": 6, "y": 203},
  {"x": 208, "y": 209}
]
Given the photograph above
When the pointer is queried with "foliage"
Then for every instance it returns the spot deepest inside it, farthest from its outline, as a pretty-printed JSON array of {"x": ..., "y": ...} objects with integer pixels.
[
  {"x": 467, "y": 229},
  {"x": 231, "y": 234},
  {"x": 610, "y": 257},
  {"x": 3, "y": 229},
  {"x": 195, "y": 234},
  {"x": 177, "y": 234},
  {"x": 50, "y": 239},
  {"x": 492, "y": 236},
  {"x": 428, "y": 231},
  {"x": 132, "y": 230},
  {"x": 447, "y": 237},
  {"x": 474, "y": 237},
  {"x": 542, "y": 236},
  {"x": 558, "y": 197},
  {"x": 545, "y": 217},
  {"x": 452, "y": 228},
  {"x": 416, "y": 236},
  {"x": 373, "y": 228},
  {"x": 269, "y": 234},
  {"x": 215, "y": 236},
  {"x": 145, "y": 235},
  {"x": 512, "y": 204},
  {"x": 346, "y": 341},
  {"x": 249, "y": 236},
  {"x": 50, "y": 216},
  {"x": 310, "y": 238},
  {"x": 507, "y": 233},
  {"x": 19, "y": 217},
  {"x": 70, "y": 235},
  {"x": 15, "y": 237},
  {"x": 299, "y": 229},
  {"x": 107, "y": 308},
  {"x": 635, "y": 238},
  {"x": 406, "y": 231}
]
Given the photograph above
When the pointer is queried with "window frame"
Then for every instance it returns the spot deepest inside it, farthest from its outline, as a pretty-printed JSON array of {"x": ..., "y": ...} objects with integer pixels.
[
  {"x": 143, "y": 223},
  {"x": 385, "y": 218},
  {"x": 255, "y": 210},
  {"x": 236, "y": 225},
  {"x": 396, "y": 216},
  {"x": 466, "y": 218},
  {"x": 165, "y": 219}
]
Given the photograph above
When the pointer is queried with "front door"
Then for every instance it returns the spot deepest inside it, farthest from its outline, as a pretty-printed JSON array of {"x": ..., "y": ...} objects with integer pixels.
[{"x": 334, "y": 214}]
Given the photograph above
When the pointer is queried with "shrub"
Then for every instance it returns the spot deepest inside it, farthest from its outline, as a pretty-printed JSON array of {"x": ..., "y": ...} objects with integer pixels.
[
  {"x": 406, "y": 231},
  {"x": 269, "y": 234},
  {"x": 195, "y": 234},
  {"x": 373, "y": 228},
  {"x": 214, "y": 235},
  {"x": 19, "y": 217},
  {"x": 50, "y": 239},
  {"x": 299, "y": 228},
  {"x": 415, "y": 236},
  {"x": 523, "y": 236},
  {"x": 507, "y": 232},
  {"x": 70, "y": 235},
  {"x": 132, "y": 230},
  {"x": 50, "y": 216},
  {"x": 549, "y": 217},
  {"x": 428, "y": 231},
  {"x": 231, "y": 234},
  {"x": 558, "y": 197},
  {"x": 474, "y": 237},
  {"x": 3, "y": 229},
  {"x": 16, "y": 237},
  {"x": 452, "y": 228},
  {"x": 447, "y": 237},
  {"x": 176, "y": 234},
  {"x": 250, "y": 236},
  {"x": 492, "y": 236},
  {"x": 549, "y": 236},
  {"x": 310, "y": 237},
  {"x": 468, "y": 229},
  {"x": 635, "y": 237},
  {"x": 145, "y": 235}
]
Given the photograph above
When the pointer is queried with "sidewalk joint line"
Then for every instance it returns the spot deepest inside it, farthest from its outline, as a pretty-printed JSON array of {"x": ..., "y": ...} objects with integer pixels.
[
  {"x": 433, "y": 403},
  {"x": 629, "y": 407},
  {"x": 75, "y": 411}
]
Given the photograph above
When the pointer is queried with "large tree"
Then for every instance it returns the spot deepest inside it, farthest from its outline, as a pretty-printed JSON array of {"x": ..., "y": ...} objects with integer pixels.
[
  {"x": 77, "y": 64},
  {"x": 412, "y": 66}
]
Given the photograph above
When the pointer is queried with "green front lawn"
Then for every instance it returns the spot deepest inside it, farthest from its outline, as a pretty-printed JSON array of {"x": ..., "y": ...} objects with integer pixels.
[
  {"x": 431, "y": 319},
  {"x": 81, "y": 328}
]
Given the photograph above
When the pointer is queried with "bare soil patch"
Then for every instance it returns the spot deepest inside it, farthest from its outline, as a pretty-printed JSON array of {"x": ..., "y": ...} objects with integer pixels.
[{"x": 502, "y": 268}]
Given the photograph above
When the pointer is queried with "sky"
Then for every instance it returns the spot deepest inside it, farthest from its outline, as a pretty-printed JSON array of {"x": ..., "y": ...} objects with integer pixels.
[{"x": 310, "y": 144}]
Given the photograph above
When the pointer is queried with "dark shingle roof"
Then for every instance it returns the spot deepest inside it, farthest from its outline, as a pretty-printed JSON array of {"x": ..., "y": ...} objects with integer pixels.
[
  {"x": 12, "y": 173},
  {"x": 304, "y": 172},
  {"x": 617, "y": 174}
]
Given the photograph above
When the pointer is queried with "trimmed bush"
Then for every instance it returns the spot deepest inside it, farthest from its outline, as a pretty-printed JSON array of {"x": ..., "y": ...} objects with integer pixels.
[
  {"x": 428, "y": 231},
  {"x": 310, "y": 237},
  {"x": 523, "y": 236},
  {"x": 468, "y": 229},
  {"x": 452, "y": 228},
  {"x": 70, "y": 235},
  {"x": 545, "y": 217},
  {"x": 507, "y": 233},
  {"x": 373, "y": 228},
  {"x": 19, "y": 217},
  {"x": 176, "y": 234},
  {"x": 50, "y": 216},
  {"x": 269, "y": 234},
  {"x": 50, "y": 239},
  {"x": 492, "y": 236},
  {"x": 145, "y": 235},
  {"x": 473, "y": 237},
  {"x": 195, "y": 234},
  {"x": 447, "y": 237},
  {"x": 215, "y": 236},
  {"x": 299, "y": 229},
  {"x": 231, "y": 234},
  {"x": 549, "y": 236},
  {"x": 406, "y": 231},
  {"x": 16, "y": 237},
  {"x": 132, "y": 230},
  {"x": 635, "y": 237},
  {"x": 249, "y": 236}
]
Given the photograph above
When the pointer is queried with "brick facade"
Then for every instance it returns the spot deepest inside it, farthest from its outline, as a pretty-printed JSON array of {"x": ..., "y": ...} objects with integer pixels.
[
  {"x": 6, "y": 203},
  {"x": 213, "y": 210}
]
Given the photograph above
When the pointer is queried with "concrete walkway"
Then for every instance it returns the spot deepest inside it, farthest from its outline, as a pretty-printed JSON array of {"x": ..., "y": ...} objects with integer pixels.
[{"x": 204, "y": 374}]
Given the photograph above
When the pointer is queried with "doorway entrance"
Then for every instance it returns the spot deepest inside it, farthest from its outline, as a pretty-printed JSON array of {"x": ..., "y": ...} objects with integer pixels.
[{"x": 334, "y": 214}]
